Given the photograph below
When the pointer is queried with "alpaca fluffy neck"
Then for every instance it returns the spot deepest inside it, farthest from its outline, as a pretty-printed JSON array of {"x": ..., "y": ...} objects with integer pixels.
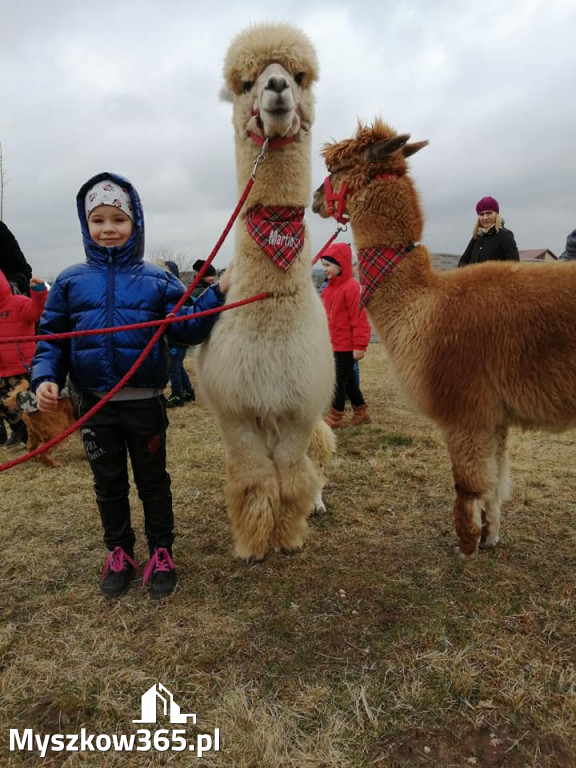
[{"x": 283, "y": 178}]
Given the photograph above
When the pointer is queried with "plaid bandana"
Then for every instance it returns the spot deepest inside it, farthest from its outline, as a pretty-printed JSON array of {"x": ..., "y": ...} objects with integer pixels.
[
  {"x": 373, "y": 265},
  {"x": 278, "y": 230}
]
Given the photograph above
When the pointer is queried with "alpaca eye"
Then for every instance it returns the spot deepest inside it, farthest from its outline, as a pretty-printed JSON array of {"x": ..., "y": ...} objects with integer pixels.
[
  {"x": 247, "y": 86},
  {"x": 299, "y": 78}
]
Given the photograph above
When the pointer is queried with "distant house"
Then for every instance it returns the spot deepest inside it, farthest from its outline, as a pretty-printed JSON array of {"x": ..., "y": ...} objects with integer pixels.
[
  {"x": 538, "y": 254},
  {"x": 445, "y": 261}
]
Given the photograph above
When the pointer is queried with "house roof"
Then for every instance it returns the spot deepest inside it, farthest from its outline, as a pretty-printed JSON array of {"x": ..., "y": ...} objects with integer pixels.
[
  {"x": 539, "y": 254},
  {"x": 445, "y": 261}
]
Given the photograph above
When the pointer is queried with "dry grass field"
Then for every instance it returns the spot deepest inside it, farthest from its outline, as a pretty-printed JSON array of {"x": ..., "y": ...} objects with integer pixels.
[{"x": 375, "y": 646}]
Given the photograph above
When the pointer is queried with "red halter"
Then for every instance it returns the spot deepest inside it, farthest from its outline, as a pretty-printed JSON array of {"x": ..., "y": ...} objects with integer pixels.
[{"x": 335, "y": 202}]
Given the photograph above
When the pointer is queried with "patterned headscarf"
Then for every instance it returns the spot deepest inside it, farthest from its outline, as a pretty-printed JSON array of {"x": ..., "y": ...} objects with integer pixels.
[{"x": 107, "y": 192}]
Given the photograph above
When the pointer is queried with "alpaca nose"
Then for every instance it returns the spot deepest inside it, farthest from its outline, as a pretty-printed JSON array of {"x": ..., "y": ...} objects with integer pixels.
[{"x": 276, "y": 83}]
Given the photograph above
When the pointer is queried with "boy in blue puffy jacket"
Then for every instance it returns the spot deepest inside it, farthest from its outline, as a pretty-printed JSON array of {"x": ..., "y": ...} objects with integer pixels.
[{"x": 115, "y": 287}]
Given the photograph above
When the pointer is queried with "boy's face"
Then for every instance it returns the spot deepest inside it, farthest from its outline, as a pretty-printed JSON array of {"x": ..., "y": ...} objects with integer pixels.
[
  {"x": 109, "y": 226},
  {"x": 330, "y": 269}
]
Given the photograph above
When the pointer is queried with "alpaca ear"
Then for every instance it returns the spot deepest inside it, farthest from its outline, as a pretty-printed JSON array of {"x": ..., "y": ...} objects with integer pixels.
[
  {"x": 226, "y": 94},
  {"x": 382, "y": 149},
  {"x": 410, "y": 149}
]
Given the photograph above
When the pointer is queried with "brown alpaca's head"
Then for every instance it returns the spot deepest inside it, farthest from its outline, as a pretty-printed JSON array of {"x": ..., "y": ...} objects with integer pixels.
[
  {"x": 269, "y": 71},
  {"x": 368, "y": 179}
]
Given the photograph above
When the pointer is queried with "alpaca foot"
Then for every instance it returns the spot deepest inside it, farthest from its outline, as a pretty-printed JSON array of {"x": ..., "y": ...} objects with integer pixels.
[
  {"x": 490, "y": 541},
  {"x": 319, "y": 506},
  {"x": 249, "y": 558},
  {"x": 290, "y": 542},
  {"x": 464, "y": 555},
  {"x": 291, "y": 552}
]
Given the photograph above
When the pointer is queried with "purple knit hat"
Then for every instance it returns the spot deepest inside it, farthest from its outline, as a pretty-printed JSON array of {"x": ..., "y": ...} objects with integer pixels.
[{"x": 487, "y": 204}]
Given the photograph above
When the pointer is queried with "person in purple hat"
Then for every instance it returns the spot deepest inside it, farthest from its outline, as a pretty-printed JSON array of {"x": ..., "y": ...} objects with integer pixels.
[{"x": 491, "y": 241}]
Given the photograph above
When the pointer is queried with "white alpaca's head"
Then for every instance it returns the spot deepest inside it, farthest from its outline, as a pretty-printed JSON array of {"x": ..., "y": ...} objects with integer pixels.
[{"x": 269, "y": 70}]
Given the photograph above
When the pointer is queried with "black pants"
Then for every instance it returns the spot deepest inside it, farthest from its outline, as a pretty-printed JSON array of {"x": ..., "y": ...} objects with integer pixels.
[
  {"x": 136, "y": 428},
  {"x": 346, "y": 384}
]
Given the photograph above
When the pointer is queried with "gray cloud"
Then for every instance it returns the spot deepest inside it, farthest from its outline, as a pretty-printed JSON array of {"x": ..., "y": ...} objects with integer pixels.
[{"x": 136, "y": 90}]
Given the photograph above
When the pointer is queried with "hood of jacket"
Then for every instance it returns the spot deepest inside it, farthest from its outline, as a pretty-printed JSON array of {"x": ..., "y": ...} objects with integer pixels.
[
  {"x": 171, "y": 266},
  {"x": 133, "y": 250},
  {"x": 342, "y": 254}
]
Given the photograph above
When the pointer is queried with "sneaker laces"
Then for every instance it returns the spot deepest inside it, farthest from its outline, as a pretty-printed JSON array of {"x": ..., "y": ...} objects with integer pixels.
[
  {"x": 160, "y": 562},
  {"x": 116, "y": 561}
]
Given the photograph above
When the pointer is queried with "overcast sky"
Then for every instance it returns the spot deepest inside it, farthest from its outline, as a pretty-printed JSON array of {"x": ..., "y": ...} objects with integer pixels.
[{"x": 132, "y": 86}]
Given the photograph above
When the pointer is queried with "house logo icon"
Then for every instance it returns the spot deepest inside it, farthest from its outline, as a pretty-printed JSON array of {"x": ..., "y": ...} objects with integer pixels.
[{"x": 150, "y": 699}]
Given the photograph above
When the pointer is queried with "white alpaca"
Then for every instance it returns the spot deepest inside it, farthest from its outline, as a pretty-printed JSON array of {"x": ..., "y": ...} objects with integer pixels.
[{"x": 267, "y": 371}]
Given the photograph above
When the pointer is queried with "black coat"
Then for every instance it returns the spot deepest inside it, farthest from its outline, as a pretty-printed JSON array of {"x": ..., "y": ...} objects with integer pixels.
[
  {"x": 570, "y": 252},
  {"x": 491, "y": 246},
  {"x": 13, "y": 262}
]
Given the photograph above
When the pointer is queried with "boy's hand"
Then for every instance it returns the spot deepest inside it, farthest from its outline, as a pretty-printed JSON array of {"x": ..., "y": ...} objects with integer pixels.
[
  {"x": 226, "y": 278},
  {"x": 47, "y": 396},
  {"x": 358, "y": 354},
  {"x": 36, "y": 280}
]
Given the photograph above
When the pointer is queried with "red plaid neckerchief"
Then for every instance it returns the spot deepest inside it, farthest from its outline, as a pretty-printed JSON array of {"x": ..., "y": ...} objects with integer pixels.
[
  {"x": 278, "y": 230},
  {"x": 373, "y": 265}
]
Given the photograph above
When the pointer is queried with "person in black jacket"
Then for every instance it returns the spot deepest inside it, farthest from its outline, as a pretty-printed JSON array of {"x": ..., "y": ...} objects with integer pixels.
[
  {"x": 570, "y": 252},
  {"x": 13, "y": 262},
  {"x": 208, "y": 278},
  {"x": 491, "y": 241}
]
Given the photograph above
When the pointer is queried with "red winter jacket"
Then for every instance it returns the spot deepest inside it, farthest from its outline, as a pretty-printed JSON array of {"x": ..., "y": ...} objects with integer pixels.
[
  {"x": 18, "y": 316},
  {"x": 349, "y": 326}
]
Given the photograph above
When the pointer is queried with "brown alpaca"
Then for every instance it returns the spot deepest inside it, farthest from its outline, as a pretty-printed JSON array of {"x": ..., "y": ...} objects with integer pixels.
[
  {"x": 42, "y": 426},
  {"x": 477, "y": 349}
]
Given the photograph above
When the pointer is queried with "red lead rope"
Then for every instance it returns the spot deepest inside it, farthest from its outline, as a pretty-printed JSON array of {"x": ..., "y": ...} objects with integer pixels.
[
  {"x": 163, "y": 324},
  {"x": 328, "y": 243},
  {"x": 73, "y": 427},
  {"x": 157, "y": 334}
]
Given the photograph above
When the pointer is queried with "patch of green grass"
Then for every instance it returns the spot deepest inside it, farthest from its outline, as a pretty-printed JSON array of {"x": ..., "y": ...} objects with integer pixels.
[{"x": 396, "y": 440}]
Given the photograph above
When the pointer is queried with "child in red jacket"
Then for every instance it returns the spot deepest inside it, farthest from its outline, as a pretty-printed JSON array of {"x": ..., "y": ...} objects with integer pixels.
[
  {"x": 18, "y": 317},
  {"x": 349, "y": 332}
]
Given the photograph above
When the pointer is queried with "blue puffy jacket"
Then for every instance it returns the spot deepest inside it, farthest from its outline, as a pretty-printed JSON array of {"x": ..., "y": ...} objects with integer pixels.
[{"x": 115, "y": 286}]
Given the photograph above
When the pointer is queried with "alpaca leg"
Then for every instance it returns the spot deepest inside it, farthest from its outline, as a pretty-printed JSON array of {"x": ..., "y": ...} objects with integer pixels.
[
  {"x": 491, "y": 514},
  {"x": 251, "y": 493},
  {"x": 299, "y": 490},
  {"x": 300, "y": 484},
  {"x": 322, "y": 448},
  {"x": 475, "y": 477},
  {"x": 319, "y": 506}
]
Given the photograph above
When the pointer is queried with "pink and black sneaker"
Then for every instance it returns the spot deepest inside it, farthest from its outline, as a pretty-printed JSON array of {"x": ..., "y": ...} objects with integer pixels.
[
  {"x": 161, "y": 573},
  {"x": 118, "y": 573}
]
